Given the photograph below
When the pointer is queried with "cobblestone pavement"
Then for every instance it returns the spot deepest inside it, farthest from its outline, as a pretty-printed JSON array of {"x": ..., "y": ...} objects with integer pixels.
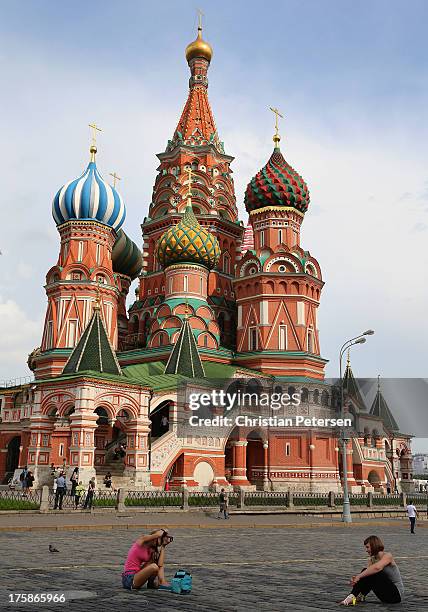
[{"x": 234, "y": 570}]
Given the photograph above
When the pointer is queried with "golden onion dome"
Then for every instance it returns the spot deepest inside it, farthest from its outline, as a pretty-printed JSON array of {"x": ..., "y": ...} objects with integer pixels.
[
  {"x": 188, "y": 242},
  {"x": 199, "y": 48}
]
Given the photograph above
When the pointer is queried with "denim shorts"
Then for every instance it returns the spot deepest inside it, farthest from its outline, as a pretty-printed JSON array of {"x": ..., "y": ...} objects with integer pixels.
[{"x": 128, "y": 579}]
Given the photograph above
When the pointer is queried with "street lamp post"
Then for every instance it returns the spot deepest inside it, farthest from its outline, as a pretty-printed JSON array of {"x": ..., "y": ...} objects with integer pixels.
[{"x": 346, "y": 516}]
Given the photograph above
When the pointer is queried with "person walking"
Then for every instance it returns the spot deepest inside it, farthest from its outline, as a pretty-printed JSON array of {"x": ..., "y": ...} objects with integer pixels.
[
  {"x": 90, "y": 494},
  {"x": 61, "y": 489},
  {"x": 224, "y": 504},
  {"x": 74, "y": 479},
  {"x": 412, "y": 513},
  {"x": 29, "y": 480},
  {"x": 23, "y": 481},
  {"x": 78, "y": 494}
]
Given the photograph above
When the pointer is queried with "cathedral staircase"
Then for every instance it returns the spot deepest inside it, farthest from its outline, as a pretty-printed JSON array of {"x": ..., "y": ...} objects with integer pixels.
[{"x": 114, "y": 466}]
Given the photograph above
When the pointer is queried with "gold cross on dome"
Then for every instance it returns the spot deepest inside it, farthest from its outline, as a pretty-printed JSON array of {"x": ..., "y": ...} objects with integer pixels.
[
  {"x": 277, "y": 114},
  {"x": 94, "y": 129},
  {"x": 200, "y": 15},
  {"x": 93, "y": 147},
  {"x": 116, "y": 177}
]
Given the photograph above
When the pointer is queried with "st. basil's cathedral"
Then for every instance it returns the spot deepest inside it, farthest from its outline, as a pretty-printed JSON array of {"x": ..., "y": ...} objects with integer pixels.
[{"x": 217, "y": 300}]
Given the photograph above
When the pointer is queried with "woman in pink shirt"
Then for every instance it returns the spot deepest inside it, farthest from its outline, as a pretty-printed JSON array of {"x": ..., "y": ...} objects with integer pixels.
[{"x": 145, "y": 560}]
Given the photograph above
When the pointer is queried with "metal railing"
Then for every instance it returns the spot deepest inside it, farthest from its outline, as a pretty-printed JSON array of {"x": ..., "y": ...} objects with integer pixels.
[
  {"x": 105, "y": 499},
  {"x": 206, "y": 499},
  {"x": 266, "y": 498},
  {"x": 16, "y": 500},
  {"x": 356, "y": 499},
  {"x": 386, "y": 500},
  {"x": 418, "y": 499},
  {"x": 154, "y": 498},
  {"x": 16, "y": 382},
  {"x": 185, "y": 499},
  {"x": 310, "y": 499}
]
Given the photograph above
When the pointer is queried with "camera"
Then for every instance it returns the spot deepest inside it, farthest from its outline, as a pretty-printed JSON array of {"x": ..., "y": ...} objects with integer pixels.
[{"x": 167, "y": 539}]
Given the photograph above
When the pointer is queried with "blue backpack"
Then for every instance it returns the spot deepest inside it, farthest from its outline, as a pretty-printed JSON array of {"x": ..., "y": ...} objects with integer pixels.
[{"x": 182, "y": 582}]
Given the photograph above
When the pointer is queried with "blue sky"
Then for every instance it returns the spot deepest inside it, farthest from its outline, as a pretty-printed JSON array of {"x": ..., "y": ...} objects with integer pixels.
[{"x": 351, "y": 80}]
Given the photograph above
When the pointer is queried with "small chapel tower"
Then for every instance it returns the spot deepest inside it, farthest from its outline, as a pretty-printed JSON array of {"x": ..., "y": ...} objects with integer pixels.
[
  {"x": 95, "y": 258},
  {"x": 278, "y": 284}
]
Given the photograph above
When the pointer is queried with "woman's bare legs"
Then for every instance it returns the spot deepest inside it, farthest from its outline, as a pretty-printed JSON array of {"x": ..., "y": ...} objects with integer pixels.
[
  {"x": 150, "y": 569},
  {"x": 161, "y": 562}
]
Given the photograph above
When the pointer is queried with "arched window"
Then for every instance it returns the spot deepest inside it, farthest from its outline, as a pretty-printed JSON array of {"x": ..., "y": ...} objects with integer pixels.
[
  {"x": 134, "y": 325},
  {"x": 291, "y": 391},
  {"x": 252, "y": 339},
  {"x": 310, "y": 341},
  {"x": 226, "y": 263},
  {"x": 102, "y": 416},
  {"x": 185, "y": 283},
  {"x": 324, "y": 398},
  {"x": 80, "y": 251}
]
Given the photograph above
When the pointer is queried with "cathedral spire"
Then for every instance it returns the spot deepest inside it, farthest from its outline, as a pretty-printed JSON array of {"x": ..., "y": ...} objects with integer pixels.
[
  {"x": 184, "y": 358},
  {"x": 381, "y": 409},
  {"x": 196, "y": 126}
]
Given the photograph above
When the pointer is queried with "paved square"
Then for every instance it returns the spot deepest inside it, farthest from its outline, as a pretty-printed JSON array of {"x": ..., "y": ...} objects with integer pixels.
[{"x": 236, "y": 569}]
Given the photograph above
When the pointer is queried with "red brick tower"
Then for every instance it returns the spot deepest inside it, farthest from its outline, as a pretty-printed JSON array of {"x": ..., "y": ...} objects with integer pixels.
[
  {"x": 195, "y": 145},
  {"x": 278, "y": 284},
  {"x": 89, "y": 213}
]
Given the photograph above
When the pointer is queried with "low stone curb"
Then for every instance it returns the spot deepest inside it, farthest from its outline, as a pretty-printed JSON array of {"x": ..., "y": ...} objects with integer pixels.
[{"x": 214, "y": 526}]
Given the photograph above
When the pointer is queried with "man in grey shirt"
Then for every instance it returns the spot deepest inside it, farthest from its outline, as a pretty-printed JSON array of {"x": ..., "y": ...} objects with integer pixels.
[{"x": 61, "y": 489}]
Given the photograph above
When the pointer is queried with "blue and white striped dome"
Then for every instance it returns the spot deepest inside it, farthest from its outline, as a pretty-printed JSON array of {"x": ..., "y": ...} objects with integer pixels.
[{"x": 89, "y": 197}]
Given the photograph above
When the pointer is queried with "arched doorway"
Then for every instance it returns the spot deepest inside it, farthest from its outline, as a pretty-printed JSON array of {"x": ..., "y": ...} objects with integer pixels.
[
  {"x": 12, "y": 457},
  {"x": 110, "y": 442},
  {"x": 146, "y": 329},
  {"x": 255, "y": 459},
  {"x": 374, "y": 479},
  {"x": 160, "y": 419},
  {"x": 203, "y": 474},
  {"x": 175, "y": 474}
]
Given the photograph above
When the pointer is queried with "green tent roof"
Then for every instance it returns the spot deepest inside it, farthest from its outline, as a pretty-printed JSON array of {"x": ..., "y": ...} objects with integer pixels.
[
  {"x": 350, "y": 388},
  {"x": 184, "y": 358},
  {"x": 93, "y": 351},
  {"x": 381, "y": 409}
]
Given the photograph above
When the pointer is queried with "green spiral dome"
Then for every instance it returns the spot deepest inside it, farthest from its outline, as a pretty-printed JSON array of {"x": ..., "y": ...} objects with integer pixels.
[{"x": 188, "y": 242}]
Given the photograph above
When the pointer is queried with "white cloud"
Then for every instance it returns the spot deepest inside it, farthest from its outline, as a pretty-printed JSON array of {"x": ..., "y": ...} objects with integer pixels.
[{"x": 18, "y": 336}]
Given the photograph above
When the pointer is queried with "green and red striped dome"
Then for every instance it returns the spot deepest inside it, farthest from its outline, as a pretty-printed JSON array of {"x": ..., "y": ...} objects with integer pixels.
[{"x": 277, "y": 184}]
